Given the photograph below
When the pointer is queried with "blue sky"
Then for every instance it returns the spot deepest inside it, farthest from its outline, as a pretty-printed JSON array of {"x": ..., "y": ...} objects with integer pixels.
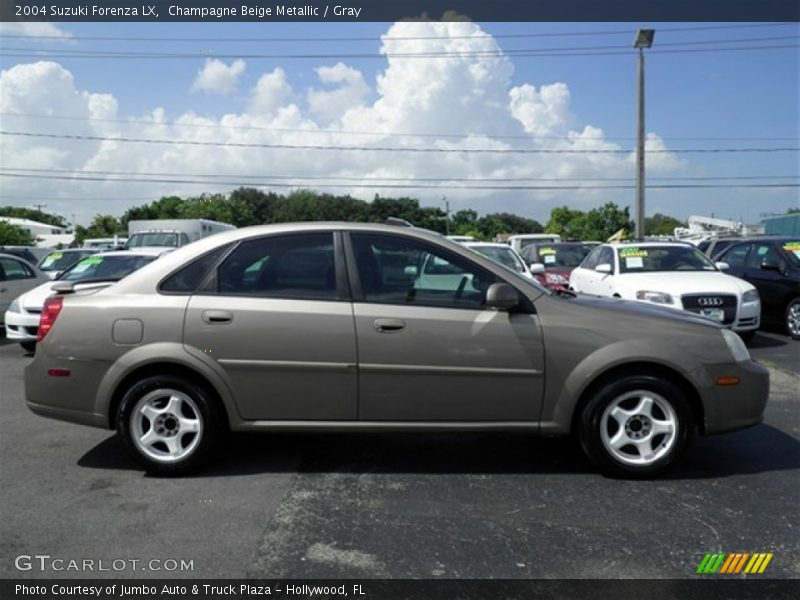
[{"x": 699, "y": 100}]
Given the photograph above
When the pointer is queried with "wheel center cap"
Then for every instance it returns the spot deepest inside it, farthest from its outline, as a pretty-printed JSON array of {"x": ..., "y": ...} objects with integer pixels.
[
  {"x": 166, "y": 425},
  {"x": 638, "y": 427}
]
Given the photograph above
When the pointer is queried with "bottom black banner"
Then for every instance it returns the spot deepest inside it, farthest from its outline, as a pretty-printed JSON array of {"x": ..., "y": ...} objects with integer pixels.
[{"x": 397, "y": 589}]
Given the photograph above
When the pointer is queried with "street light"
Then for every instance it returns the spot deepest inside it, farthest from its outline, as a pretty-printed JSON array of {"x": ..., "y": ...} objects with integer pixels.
[{"x": 644, "y": 39}]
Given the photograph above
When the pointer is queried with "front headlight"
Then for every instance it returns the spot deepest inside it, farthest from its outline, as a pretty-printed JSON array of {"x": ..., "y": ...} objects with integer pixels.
[
  {"x": 736, "y": 345},
  {"x": 14, "y": 307},
  {"x": 556, "y": 278},
  {"x": 750, "y": 296},
  {"x": 656, "y": 297}
]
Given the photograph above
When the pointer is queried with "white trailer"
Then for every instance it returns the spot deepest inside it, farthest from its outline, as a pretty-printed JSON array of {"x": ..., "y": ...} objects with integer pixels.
[{"x": 171, "y": 233}]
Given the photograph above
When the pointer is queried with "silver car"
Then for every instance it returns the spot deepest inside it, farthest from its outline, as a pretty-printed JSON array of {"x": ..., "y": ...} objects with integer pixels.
[{"x": 342, "y": 326}]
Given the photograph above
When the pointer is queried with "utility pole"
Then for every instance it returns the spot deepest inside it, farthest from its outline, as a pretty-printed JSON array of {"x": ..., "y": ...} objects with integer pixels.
[
  {"x": 39, "y": 207},
  {"x": 644, "y": 39},
  {"x": 446, "y": 215}
]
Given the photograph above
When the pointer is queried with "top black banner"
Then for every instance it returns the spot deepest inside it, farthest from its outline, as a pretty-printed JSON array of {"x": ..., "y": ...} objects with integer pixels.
[{"x": 397, "y": 10}]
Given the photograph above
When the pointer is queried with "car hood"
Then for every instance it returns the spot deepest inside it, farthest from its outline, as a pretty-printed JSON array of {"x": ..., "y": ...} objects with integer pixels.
[
  {"x": 34, "y": 299},
  {"x": 625, "y": 308},
  {"x": 682, "y": 282}
]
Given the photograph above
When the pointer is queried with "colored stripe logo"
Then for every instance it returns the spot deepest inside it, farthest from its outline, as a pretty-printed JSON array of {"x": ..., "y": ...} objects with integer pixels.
[{"x": 733, "y": 563}]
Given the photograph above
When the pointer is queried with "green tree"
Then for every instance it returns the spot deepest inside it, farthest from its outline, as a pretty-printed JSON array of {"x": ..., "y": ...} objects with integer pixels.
[
  {"x": 13, "y": 235},
  {"x": 490, "y": 226},
  {"x": 102, "y": 226},
  {"x": 660, "y": 224},
  {"x": 596, "y": 225}
]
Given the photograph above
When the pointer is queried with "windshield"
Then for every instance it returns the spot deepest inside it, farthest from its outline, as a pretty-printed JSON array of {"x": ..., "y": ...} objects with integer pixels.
[
  {"x": 157, "y": 239},
  {"x": 503, "y": 255},
  {"x": 111, "y": 268},
  {"x": 562, "y": 255},
  {"x": 792, "y": 252},
  {"x": 648, "y": 259},
  {"x": 58, "y": 261}
]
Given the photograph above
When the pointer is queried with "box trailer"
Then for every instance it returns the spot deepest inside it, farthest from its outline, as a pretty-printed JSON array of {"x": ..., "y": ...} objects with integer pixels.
[{"x": 171, "y": 233}]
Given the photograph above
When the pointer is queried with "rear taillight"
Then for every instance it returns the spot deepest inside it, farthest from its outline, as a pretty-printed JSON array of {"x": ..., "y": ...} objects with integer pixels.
[{"x": 52, "y": 306}]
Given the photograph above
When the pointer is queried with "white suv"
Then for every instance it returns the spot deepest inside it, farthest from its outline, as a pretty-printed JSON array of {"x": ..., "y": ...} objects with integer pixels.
[{"x": 673, "y": 275}]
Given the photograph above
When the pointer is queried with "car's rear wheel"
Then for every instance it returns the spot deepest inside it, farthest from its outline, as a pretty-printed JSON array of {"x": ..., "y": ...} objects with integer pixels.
[
  {"x": 635, "y": 427},
  {"x": 169, "y": 424},
  {"x": 792, "y": 319}
]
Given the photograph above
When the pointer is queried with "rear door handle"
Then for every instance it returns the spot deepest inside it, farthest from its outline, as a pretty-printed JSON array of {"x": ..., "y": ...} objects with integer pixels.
[
  {"x": 389, "y": 325},
  {"x": 217, "y": 316}
]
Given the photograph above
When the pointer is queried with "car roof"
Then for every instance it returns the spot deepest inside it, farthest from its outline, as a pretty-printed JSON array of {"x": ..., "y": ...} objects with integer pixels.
[{"x": 649, "y": 244}]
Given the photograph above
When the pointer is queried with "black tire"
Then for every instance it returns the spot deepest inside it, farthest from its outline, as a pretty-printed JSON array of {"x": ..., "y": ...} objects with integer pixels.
[
  {"x": 591, "y": 423},
  {"x": 747, "y": 336},
  {"x": 195, "y": 403},
  {"x": 790, "y": 319},
  {"x": 28, "y": 346}
]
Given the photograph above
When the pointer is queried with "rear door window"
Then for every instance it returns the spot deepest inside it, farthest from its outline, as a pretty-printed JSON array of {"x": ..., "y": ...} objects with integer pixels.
[{"x": 298, "y": 266}]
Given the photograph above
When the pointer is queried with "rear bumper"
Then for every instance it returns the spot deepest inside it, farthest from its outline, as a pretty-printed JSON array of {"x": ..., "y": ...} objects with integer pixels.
[
  {"x": 732, "y": 407},
  {"x": 21, "y": 326},
  {"x": 70, "y": 398}
]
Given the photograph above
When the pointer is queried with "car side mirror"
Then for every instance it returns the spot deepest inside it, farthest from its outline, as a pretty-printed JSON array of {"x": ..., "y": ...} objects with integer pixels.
[
  {"x": 537, "y": 268},
  {"x": 501, "y": 296},
  {"x": 604, "y": 268},
  {"x": 770, "y": 265},
  {"x": 411, "y": 272},
  {"x": 723, "y": 266}
]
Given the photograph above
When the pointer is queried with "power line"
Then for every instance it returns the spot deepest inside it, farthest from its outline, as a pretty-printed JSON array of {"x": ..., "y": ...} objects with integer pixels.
[
  {"x": 389, "y": 148},
  {"x": 375, "y": 133},
  {"x": 395, "y": 179},
  {"x": 269, "y": 184},
  {"x": 544, "y": 53},
  {"x": 384, "y": 38}
]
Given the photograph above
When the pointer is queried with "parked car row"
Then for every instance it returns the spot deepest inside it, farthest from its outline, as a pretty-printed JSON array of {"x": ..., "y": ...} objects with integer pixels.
[{"x": 330, "y": 326}]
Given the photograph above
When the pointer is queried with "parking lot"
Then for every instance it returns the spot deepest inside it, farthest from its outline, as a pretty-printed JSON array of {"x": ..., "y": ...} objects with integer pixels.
[{"x": 392, "y": 505}]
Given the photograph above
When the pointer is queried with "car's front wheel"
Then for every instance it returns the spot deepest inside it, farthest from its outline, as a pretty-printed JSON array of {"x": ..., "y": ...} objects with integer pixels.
[
  {"x": 169, "y": 424},
  {"x": 636, "y": 426},
  {"x": 792, "y": 320},
  {"x": 28, "y": 346}
]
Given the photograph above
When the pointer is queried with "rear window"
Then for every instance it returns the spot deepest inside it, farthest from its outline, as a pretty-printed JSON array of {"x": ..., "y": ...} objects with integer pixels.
[
  {"x": 110, "y": 268},
  {"x": 58, "y": 261}
]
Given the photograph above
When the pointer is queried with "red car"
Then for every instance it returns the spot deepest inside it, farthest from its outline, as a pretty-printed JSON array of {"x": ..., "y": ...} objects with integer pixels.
[{"x": 551, "y": 263}]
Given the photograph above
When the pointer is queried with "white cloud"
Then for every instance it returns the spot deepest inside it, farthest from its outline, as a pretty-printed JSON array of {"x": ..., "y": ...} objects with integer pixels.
[
  {"x": 458, "y": 102},
  {"x": 217, "y": 77},
  {"x": 351, "y": 92},
  {"x": 270, "y": 93}
]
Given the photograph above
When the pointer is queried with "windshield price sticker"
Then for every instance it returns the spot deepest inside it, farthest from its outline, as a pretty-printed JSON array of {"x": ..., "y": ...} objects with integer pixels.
[
  {"x": 634, "y": 262},
  {"x": 792, "y": 247},
  {"x": 546, "y": 251},
  {"x": 51, "y": 259},
  {"x": 549, "y": 259},
  {"x": 632, "y": 252}
]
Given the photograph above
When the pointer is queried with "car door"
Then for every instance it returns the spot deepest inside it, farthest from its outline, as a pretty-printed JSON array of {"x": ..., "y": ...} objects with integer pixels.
[
  {"x": 762, "y": 269},
  {"x": 277, "y": 317},
  {"x": 594, "y": 282},
  {"x": 582, "y": 277},
  {"x": 16, "y": 277},
  {"x": 428, "y": 348}
]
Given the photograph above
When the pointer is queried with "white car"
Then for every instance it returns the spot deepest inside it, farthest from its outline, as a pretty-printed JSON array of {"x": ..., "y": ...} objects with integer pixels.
[
  {"x": 503, "y": 254},
  {"x": 22, "y": 316},
  {"x": 673, "y": 275}
]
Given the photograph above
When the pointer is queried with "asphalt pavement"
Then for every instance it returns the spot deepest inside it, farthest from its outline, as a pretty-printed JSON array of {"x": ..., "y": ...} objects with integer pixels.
[{"x": 398, "y": 505}]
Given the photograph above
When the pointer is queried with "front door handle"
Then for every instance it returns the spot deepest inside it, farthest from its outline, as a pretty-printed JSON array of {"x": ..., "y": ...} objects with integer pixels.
[
  {"x": 389, "y": 325},
  {"x": 217, "y": 316}
]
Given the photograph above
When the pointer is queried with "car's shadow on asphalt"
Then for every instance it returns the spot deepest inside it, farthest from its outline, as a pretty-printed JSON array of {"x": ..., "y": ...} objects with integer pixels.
[
  {"x": 764, "y": 341},
  {"x": 756, "y": 450}
]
